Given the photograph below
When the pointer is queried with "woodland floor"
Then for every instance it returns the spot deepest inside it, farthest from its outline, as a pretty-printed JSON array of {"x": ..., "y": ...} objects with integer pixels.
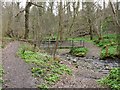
[{"x": 18, "y": 74}]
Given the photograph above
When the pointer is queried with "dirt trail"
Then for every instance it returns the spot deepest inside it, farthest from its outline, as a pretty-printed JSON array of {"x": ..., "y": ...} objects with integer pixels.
[
  {"x": 94, "y": 51},
  {"x": 17, "y": 72}
]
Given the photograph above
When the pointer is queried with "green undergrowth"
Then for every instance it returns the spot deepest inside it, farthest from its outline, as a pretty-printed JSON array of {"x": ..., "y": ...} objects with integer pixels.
[
  {"x": 112, "y": 80},
  {"x": 1, "y": 74},
  {"x": 82, "y": 51},
  {"x": 44, "y": 66},
  {"x": 108, "y": 41},
  {"x": 112, "y": 52}
]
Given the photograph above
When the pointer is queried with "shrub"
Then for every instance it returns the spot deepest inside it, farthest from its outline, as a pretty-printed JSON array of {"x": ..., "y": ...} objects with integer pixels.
[
  {"x": 110, "y": 41},
  {"x": 104, "y": 42},
  {"x": 79, "y": 51},
  {"x": 112, "y": 52},
  {"x": 112, "y": 80}
]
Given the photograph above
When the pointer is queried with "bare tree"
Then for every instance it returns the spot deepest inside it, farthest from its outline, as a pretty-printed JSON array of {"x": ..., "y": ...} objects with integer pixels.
[{"x": 60, "y": 30}]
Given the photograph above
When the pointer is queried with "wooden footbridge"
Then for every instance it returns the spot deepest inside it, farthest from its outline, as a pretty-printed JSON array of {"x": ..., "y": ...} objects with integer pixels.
[
  {"x": 61, "y": 44},
  {"x": 51, "y": 43}
]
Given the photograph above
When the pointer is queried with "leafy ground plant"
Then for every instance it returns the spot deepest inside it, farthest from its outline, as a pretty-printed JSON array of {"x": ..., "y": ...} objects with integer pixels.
[
  {"x": 1, "y": 73},
  {"x": 82, "y": 51},
  {"x": 43, "y": 87},
  {"x": 112, "y": 52},
  {"x": 112, "y": 80},
  {"x": 108, "y": 40},
  {"x": 44, "y": 66}
]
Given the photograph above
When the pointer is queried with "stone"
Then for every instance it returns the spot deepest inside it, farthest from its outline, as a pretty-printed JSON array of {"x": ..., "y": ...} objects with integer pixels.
[
  {"x": 74, "y": 60},
  {"x": 105, "y": 71},
  {"x": 77, "y": 58},
  {"x": 68, "y": 58},
  {"x": 107, "y": 68}
]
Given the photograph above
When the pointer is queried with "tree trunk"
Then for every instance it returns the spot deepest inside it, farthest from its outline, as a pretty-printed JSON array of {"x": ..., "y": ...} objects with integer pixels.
[
  {"x": 60, "y": 22},
  {"x": 27, "y": 9},
  {"x": 59, "y": 31},
  {"x": 74, "y": 14},
  {"x": 90, "y": 27}
]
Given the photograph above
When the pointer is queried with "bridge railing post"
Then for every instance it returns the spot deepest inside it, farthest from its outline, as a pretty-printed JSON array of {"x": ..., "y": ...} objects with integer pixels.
[
  {"x": 48, "y": 45},
  {"x": 81, "y": 43},
  {"x": 72, "y": 43}
]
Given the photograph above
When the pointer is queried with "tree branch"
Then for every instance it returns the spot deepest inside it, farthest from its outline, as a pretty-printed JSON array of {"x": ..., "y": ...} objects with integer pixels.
[
  {"x": 113, "y": 9},
  {"x": 26, "y": 6},
  {"x": 36, "y": 5},
  {"x": 19, "y": 13}
]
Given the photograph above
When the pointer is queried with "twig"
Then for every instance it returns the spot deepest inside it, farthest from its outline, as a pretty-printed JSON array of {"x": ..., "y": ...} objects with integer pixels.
[{"x": 19, "y": 12}]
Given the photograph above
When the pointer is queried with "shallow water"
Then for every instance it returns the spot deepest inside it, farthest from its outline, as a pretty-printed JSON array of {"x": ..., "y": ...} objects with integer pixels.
[{"x": 93, "y": 63}]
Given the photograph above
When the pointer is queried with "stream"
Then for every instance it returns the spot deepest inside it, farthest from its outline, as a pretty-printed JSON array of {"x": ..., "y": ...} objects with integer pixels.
[{"x": 95, "y": 64}]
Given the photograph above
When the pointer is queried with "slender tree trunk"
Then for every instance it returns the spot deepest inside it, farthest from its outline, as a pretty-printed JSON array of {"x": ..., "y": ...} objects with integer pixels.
[
  {"x": 100, "y": 36},
  {"x": 69, "y": 13},
  {"x": 90, "y": 27},
  {"x": 59, "y": 31},
  {"x": 60, "y": 22},
  {"x": 77, "y": 8},
  {"x": 27, "y": 9},
  {"x": 74, "y": 16},
  {"x": 56, "y": 46}
]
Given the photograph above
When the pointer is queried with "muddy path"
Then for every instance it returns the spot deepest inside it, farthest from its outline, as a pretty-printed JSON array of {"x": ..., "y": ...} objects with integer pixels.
[
  {"x": 17, "y": 73},
  {"x": 93, "y": 50}
]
